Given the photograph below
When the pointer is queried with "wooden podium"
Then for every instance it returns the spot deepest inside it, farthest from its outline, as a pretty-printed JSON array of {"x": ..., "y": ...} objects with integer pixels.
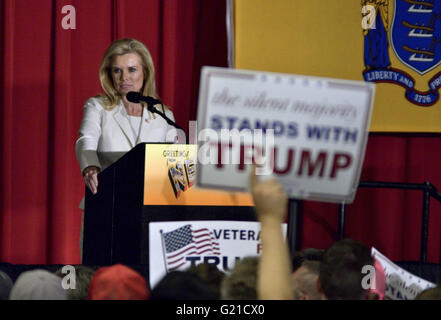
[{"x": 152, "y": 182}]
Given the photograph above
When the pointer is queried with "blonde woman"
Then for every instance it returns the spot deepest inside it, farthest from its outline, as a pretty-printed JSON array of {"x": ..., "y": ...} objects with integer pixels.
[{"x": 112, "y": 125}]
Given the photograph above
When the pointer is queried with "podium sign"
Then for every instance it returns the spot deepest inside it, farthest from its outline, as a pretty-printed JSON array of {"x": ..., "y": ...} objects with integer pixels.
[
  {"x": 320, "y": 128},
  {"x": 170, "y": 177}
]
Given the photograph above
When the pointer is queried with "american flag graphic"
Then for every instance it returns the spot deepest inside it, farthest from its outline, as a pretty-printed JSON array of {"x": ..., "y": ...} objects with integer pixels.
[{"x": 184, "y": 242}]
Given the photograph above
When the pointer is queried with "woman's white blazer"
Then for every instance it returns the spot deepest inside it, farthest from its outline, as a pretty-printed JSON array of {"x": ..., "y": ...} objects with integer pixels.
[{"x": 105, "y": 136}]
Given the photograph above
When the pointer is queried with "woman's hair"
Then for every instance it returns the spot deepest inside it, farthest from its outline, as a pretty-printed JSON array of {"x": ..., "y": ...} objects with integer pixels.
[{"x": 117, "y": 48}]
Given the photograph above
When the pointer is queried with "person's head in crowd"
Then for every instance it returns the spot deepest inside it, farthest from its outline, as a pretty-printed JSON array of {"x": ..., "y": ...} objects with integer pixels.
[
  {"x": 118, "y": 282},
  {"x": 341, "y": 270},
  {"x": 305, "y": 271},
  {"x": 241, "y": 283},
  {"x": 430, "y": 294},
  {"x": 210, "y": 273},
  {"x": 136, "y": 57},
  {"x": 304, "y": 280},
  {"x": 183, "y": 285},
  {"x": 83, "y": 275},
  {"x": 38, "y": 285},
  {"x": 6, "y": 285},
  {"x": 308, "y": 254}
]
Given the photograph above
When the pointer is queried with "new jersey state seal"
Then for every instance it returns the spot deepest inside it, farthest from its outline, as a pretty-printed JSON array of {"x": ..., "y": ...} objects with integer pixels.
[{"x": 402, "y": 46}]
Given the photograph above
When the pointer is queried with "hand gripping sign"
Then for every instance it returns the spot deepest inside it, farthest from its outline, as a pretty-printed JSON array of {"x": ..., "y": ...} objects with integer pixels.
[{"x": 308, "y": 132}]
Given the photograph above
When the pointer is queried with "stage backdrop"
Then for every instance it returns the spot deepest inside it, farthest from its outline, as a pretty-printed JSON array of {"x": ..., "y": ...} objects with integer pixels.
[
  {"x": 48, "y": 72},
  {"x": 394, "y": 43}
]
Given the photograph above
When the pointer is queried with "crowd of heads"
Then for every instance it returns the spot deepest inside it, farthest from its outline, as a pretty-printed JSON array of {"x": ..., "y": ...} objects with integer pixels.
[
  {"x": 116, "y": 282},
  {"x": 332, "y": 274}
]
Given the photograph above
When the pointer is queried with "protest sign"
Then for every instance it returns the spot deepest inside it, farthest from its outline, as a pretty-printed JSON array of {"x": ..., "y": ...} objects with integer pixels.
[
  {"x": 308, "y": 132},
  {"x": 400, "y": 284}
]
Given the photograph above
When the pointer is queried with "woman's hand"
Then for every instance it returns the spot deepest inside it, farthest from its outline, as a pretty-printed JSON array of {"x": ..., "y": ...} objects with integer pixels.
[{"x": 90, "y": 175}]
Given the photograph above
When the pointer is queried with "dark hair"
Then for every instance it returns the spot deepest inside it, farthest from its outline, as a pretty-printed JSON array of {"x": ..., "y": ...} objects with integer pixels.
[
  {"x": 210, "y": 273},
  {"x": 241, "y": 283},
  {"x": 183, "y": 285},
  {"x": 83, "y": 275},
  {"x": 341, "y": 270},
  {"x": 308, "y": 254}
]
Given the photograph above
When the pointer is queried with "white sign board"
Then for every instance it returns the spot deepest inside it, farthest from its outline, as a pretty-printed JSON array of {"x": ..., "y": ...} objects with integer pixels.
[
  {"x": 320, "y": 129},
  {"x": 179, "y": 245},
  {"x": 400, "y": 284}
]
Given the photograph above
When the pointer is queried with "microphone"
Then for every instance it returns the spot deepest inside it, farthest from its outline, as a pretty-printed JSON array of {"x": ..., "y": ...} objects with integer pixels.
[{"x": 136, "y": 97}]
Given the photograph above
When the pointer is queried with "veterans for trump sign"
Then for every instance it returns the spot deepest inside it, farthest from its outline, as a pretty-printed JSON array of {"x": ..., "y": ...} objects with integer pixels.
[
  {"x": 180, "y": 245},
  {"x": 308, "y": 132}
]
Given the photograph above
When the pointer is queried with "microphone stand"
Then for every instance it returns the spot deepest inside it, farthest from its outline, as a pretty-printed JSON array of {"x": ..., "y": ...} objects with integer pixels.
[{"x": 152, "y": 109}]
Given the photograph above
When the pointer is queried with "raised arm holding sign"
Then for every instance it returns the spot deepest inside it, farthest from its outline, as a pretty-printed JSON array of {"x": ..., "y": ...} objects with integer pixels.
[{"x": 274, "y": 272}]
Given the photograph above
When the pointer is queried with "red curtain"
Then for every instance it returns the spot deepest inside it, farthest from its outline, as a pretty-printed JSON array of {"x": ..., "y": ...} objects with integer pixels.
[{"x": 48, "y": 72}]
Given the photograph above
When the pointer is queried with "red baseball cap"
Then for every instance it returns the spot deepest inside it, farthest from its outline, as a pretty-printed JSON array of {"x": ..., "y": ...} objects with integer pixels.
[{"x": 118, "y": 282}]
